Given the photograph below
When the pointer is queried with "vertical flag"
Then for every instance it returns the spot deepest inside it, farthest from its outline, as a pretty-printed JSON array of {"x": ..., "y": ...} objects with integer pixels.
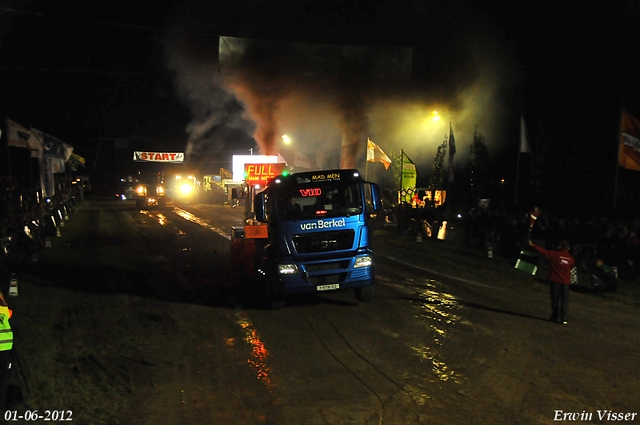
[
  {"x": 629, "y": 142},
  {"x": 226, "y": 174},
  {"x": 409, "y": 177},
  {"x": 301, "y": 161},
  {"x": 524, "y": 141},
  {"x": 37, "y": 143},
  {"x": 19, "y": 136},
  {"x": 452, "y": 152},
  {"x": 54, "y": 148},
  {"x": 375, "y": 154},
  {"x": 46, "y": 176}
]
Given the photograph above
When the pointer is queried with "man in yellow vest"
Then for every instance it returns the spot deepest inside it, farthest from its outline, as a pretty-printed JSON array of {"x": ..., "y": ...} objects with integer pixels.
[{"x": 6, "y": 345}]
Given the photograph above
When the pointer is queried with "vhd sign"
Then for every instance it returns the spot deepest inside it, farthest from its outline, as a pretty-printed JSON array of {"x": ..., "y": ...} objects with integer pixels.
[{"x": 261, "y": 173}]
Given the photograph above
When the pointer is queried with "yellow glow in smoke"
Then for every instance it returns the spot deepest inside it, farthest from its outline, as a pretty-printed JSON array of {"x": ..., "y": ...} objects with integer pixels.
[
  {"x": 286, "y": 139},
  {"x": 436, "y": 117}
]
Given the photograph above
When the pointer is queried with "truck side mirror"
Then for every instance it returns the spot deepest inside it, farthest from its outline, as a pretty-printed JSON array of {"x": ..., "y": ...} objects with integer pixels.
[
  {"x": 375, "y": 195},
  {"x": 372, "y": 197},
  {"x": 259, "y": 202}
]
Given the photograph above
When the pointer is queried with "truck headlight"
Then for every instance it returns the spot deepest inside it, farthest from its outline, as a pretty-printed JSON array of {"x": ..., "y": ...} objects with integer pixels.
[
  {"x": 363, "y": 261},
  {"x": 287, "y": 268},
  {"x": 186, "y": 188},
  {"x": 141, "y": 190},
  {"x": 160, "y": 189}
]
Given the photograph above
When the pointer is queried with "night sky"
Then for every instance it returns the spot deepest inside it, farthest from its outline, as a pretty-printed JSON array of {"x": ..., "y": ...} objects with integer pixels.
[{"x": 87, "y": 70}]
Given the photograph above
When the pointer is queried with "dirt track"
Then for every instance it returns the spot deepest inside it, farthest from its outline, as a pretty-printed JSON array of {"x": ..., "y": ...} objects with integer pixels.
[{"x": 427, "y": 350}]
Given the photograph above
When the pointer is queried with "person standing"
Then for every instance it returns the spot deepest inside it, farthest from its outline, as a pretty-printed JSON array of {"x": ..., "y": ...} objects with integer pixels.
[
  {"x": 560, "y": 264},
  {"x": 6, "y": 346}
]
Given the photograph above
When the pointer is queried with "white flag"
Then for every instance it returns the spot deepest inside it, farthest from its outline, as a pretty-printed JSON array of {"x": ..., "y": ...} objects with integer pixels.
[
  {"x": 21, "y": 137},
  {"x": 375, "y": 154},
  {"x": 301, "y": 161}
]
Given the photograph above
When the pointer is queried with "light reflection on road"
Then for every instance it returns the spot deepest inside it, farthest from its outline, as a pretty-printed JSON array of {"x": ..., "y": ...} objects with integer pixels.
[
  {"x": 162, "y": 219},
  {"x": 440, "y": 309},
  {"x": 259, "y": 353},
  {"x": 194, "y": 219},
  {"x": 438, "y": 313}
]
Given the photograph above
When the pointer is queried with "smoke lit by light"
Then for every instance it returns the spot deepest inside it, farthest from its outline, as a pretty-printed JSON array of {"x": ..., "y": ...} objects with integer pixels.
[{"x": 266, "y": 91}]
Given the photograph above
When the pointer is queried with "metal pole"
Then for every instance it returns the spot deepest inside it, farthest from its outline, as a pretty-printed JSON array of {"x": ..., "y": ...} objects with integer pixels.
[
  {"x": 6, "y": 140},
  {"x": 515, "y": 196},
  {"x": 615, "y": 185},
  {"x": 450, "y": 170},
  {"x": 366, "y": 163},
  {"x": 401, "y": 174}
]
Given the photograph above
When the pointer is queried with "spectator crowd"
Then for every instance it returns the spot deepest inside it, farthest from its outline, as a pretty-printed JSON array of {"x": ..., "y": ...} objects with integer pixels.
[{"x": 614, "y": 241}]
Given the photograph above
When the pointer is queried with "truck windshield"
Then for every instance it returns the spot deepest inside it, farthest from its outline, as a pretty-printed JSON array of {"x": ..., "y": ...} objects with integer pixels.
[{"x": 328, "y": 199}]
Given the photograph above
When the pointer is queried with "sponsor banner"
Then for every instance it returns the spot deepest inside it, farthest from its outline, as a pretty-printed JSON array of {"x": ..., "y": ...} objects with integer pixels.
[
  {"x": 324, "y": 177},
  {"x": 141, "y": 156},
  {"x": 334, "y": 223},
  {"x": 409, "y": 177}
]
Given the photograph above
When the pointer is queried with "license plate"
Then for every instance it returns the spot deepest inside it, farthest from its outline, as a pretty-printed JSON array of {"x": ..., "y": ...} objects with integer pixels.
[{"x": 328, "y": 287}]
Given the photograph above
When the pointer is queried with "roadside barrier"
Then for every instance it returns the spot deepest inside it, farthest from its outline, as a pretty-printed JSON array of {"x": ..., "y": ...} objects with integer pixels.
[{"x": 22, "y": 237}]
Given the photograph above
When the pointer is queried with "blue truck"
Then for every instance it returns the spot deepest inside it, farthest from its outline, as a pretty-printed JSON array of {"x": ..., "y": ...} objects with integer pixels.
[{"x": 319, "y": 237}]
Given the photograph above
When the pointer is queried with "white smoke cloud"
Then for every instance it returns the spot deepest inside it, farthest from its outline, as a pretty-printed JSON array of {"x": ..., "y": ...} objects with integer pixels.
[{"x": 218, "y": 118}]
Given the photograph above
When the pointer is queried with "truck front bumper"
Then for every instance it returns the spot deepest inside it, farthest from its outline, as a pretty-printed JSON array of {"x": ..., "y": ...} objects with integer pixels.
[{"x": 327, "y": 274}]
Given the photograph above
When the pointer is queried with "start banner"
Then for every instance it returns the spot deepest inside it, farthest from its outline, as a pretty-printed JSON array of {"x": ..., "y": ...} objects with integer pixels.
[{"x": 140, "y": 156}]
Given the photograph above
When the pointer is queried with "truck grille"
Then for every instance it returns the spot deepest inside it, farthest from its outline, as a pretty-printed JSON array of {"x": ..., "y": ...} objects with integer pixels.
[
  {"x": 320, "y": 267},
  {"x": 323, "y": 241},
  {"x": 324, "y": 279}
]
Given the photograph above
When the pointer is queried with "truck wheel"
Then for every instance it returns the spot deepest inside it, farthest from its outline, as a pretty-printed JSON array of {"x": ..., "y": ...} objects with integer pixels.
[{"x": 364, "y": 293}]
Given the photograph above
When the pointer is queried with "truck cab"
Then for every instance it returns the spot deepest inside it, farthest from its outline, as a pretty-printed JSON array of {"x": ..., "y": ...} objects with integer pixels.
[
  {"x": 150, "y": 191},
  {"x": 185, "y": 188},
  {"x": 319, "y": 237}
]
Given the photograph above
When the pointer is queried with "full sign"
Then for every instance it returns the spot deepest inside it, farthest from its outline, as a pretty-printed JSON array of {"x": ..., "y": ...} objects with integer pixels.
[{"x": 261, "y": 173}]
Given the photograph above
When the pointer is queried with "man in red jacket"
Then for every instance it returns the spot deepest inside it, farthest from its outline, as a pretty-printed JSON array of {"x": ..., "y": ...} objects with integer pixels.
[{"x": 560, "y": 265}]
